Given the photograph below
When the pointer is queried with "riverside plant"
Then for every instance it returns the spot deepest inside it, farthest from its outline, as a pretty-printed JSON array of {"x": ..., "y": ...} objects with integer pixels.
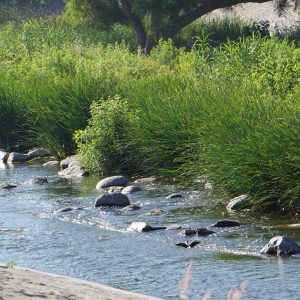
[{"x": 230, "y": 112}]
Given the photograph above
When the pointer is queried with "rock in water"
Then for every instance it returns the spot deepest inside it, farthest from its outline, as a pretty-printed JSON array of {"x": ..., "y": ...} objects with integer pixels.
[
  {"x": 226, "y": 223},
  {"x": 3, "y": 156},
  {"x": 187, "y": 245},
  {"x": 40, "y": 152},
  {"x": 174, "y": 227},
  {"x": 237, "y": 203},
  {"x": 111, "y": 200},
  {"x": 37, "y": 180},
  {"x": 18, "y": 157},
  {"x": 174, "y": 196},
  {"x": 65, "y": 162},
  {"x": 7, "y": 186},
  {"x": 114, "y": 189},
  {"x": 154, "y": 212},
  {"x": 131, "y": 207},
  {"x": 188, "y": 232},
  {"x": 73, "y": 171},
  {"x": 204, "y": 232},
  {"x": 130, "y": 189},
  {"x": 111, "y": 181},
  {"x": 281, "y": 246},
  {"x": 143, "y": 227}
]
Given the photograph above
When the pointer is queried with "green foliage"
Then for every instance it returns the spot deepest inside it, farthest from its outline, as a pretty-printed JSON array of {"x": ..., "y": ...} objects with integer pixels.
[
  {"x": 103, "y": 145},
  {"x": 10, "y": 265}
]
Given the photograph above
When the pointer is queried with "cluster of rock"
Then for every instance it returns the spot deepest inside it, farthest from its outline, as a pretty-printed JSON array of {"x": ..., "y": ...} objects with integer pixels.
[
  {"x": 15, "y": 157},
  {"x": 71, "y": 167}
]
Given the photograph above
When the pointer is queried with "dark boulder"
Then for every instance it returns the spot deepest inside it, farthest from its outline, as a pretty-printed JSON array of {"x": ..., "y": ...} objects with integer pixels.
[
  {"x": 226, "y": 223},
  {"x": 7, "y": 186},
  {"x": 204, "y": 232},
  {"x": 281, "y": 246},
  {"x": 111, "y": 200}
]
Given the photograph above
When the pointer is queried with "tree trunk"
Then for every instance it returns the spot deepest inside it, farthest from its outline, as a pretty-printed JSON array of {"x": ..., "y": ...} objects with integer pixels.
[{"x": 135, "y": 22}]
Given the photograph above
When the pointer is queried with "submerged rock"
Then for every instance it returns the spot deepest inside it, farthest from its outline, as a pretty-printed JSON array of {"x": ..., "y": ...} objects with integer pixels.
[
  {"x": 226, "y": 223},
  {"x": 281, "y": 246},
  {"x": 67, "y": 209},
  {"x": 154, "y": 212},
  {"x": 146, "y": 180},
  {"x": 111, "y": 200},
  {"x": 188, "y": 232},
  {"x": 131, "y": 207},
  {"x": 174, "y": 196},
  {"x": 111, "y": 181},
  {"x": 187, "y": 245},
  {"x": 51, "y": 163},
  {"x": 7, "y": 186},
  {"x": 143, "y": 227},
  {"x": 70, "y": 159},
  {"x": 237, "y": 203},
  {"x": 37, "y": 180},
  {"x": 130, "y": 189}
]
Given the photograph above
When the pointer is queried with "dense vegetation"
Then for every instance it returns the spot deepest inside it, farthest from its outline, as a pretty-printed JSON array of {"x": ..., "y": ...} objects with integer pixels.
[{"x": 228, "y": 110}]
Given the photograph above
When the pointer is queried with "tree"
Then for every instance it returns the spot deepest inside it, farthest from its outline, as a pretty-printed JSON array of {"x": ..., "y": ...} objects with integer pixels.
[{"x": 155, "y": 19}]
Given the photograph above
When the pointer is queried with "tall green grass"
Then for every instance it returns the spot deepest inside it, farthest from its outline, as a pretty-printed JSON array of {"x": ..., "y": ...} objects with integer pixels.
[{"x": 230, "y": 112}]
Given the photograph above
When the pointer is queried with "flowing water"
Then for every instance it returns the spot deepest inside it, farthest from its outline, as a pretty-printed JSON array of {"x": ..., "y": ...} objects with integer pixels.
[{"x": 93, "y": 244}]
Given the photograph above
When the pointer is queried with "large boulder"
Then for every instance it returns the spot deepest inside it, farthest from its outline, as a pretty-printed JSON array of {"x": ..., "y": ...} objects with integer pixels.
[
  {"x": 111, "y": 181},
  {"x": 281, "y": 246},
  {"x": 111, "y": 200},
  {"x": 3, "y": 156},
  {"x": 73, "y": 171},
  {"x": 40, "y": 152},
  {"x": 143, "y": 227},
  {"x": 70, "y": 159},
  {"x": 237, "y": 203},
  {"x": 18, "y": 157},
  {"x": 226, "y": 223}
]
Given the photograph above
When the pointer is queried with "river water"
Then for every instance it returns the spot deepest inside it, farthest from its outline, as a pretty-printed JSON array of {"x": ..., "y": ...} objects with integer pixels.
[{"x": 93, "y": 244}]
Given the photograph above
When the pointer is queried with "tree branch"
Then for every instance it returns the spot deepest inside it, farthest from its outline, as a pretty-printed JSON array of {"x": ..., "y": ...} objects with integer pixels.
[
  {"x": 207, "y": 7},
  {"x": 135, "y": 22}
]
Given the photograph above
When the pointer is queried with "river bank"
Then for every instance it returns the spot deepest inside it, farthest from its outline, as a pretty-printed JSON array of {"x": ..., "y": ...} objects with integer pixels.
[{"x": 23, "y": 283}]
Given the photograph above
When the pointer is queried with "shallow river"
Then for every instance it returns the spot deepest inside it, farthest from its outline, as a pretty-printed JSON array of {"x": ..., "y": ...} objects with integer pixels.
[{"x": 93, "y": 244}]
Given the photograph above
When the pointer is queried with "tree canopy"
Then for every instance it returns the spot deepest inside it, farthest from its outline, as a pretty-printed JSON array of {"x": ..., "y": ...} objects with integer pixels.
[{"x": 155, "y": 19}]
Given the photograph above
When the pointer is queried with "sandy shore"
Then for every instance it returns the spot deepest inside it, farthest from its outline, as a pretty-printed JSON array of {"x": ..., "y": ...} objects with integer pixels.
[{"x": 21, "y": 283}]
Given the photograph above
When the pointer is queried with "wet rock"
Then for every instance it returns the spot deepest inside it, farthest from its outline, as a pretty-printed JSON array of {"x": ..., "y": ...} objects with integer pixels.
[
  {"x": 174, "y": 196},
  {"x": 111, "y": 181},
  {"x": 188, "y": 232},
  {"x": 204, "y": 232},
  {"x": 18, "y": 157},
  {"x": 37, "y": 180},
  {"x": 208, "y": 186},
  {"x": 143, "y": 227},
  {"x": 131, "y": 207},
  {"x": 237, "y": 203},
  {"x": 40, "y": 152},
  {"x": 174, "y": 227},
  {"x": 70, "y": 159},
  {"x": 130, "y": 189},
  {"x": 146, "y": 180},
  {"x": 7, "y": 186},
  {"x": 67, "y": 209},
  {"x": 111, "y": 200},
  {"x": 154, "y": 212},
  {"x": 74, "y": 171},
  {"x": 51, "y": 163},
  {"x": 3, "y": 156},
  {"x": 114, "y": 189},
  {"x": 281, "y": 246},
  {"x": 226, "y": 223},
  {"x": 187, "y": 245}
]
